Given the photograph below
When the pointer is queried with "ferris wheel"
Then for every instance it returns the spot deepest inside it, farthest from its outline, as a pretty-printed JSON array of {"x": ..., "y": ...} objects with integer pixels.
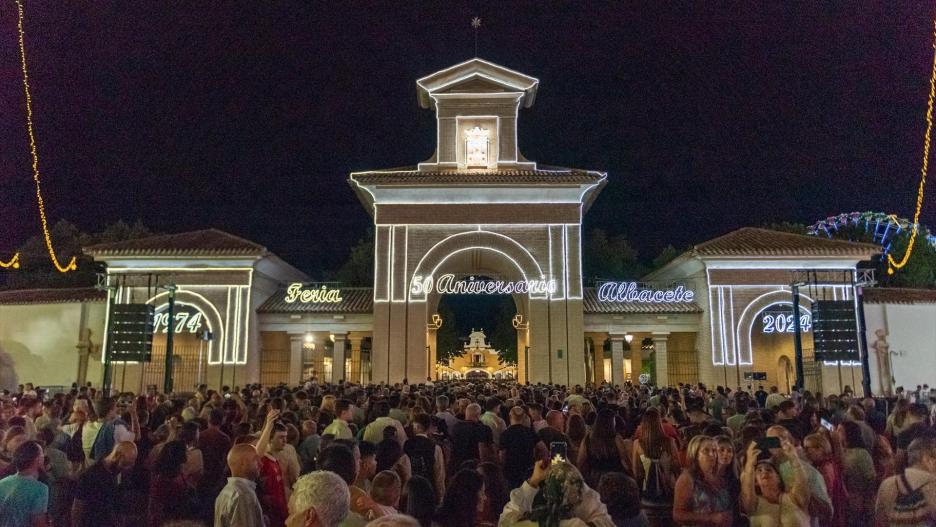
[{"x": 879, "y": 227}]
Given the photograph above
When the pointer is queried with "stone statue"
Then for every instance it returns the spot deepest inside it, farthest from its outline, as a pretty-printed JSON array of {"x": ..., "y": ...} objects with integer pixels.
[{"x": 882, "y": 353}]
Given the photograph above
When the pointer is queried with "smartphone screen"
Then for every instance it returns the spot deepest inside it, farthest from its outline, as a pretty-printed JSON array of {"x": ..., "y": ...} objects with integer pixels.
[
  {"x": 766, "y": 443},
  {"x": 559, "y": 448}
]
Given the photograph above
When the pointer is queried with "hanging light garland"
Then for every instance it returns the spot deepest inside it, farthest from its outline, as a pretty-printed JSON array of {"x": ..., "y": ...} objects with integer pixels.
[
  {"x": 892, "y": 263},
  {"x": 12, "y": 264},
  {"x": 35, "y": 157}
]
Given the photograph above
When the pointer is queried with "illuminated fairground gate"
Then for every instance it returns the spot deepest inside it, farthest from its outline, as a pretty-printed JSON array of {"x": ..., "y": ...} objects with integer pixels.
[{"x": 478, "y": 218}]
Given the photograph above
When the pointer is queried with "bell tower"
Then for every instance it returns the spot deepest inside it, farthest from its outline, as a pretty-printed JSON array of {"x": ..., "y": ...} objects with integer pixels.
[{"x": 476, "y": 104}]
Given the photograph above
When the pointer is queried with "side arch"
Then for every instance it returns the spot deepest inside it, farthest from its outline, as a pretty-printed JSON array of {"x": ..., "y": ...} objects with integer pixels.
[
  {"x": 750, "y": 312},
  {"x": 216, "y": 346}
]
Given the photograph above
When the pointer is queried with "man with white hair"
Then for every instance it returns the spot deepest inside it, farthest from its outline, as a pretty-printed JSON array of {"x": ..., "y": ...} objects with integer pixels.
[{"x": 319, "y": 499}]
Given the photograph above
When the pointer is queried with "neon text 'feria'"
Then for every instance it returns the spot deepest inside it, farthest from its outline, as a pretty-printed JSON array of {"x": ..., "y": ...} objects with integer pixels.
[{"x": 322, "y": 295}]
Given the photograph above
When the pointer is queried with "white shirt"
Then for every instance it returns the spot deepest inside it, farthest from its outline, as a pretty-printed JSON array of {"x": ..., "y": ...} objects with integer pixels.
[{"x": 237, "y": 505}]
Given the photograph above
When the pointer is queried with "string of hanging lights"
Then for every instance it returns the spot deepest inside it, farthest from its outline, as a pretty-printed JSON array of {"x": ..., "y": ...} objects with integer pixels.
[
  {"x": 892, "y": 263},
  {"x": 14, "y": 263}
]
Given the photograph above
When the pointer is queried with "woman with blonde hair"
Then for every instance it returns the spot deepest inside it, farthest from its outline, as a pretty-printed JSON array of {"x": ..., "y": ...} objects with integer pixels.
[
  {"x": 895, "y": 421},
  {"x": 328, "y": 404},
  {"x": 702, "y": 496}
]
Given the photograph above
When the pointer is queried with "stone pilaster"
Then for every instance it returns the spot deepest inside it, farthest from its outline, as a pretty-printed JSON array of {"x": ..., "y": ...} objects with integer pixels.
[
  {"x": 662, "y": 368},
  {"x": 617, "y": 359},
  {"x": 338, "y": 359}
]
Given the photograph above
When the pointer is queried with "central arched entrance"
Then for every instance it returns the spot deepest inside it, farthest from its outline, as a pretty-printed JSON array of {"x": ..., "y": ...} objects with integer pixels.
[
  {"x": 477, "y": 263},
  {"x": 531, "y": 264},
  {"x": 474, "y": 265}
]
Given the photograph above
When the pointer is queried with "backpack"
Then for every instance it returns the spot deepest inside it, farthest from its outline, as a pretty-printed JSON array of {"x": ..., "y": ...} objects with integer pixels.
[
  {"x": 910, "y": 507},
  {"x": 74, "y": 447},
  {"x": 421, "y": 452},
  {"x": 658, "y": 484}
]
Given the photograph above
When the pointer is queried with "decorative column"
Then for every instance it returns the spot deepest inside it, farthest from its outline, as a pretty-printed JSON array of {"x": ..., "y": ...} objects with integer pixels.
[
  {"x": 595, "y": 342},
  {"x": 295, "y": 357},
  {"x": 662, "y": 368},
  {"x": 431, "y": 333},
  {"x": 338, "y": 359},
  {"x": 617, "y": 359},
  {"x": 636, "y": 360},
  {"x": 598, "y": 350},
  {"x": 354, "y": 340},
  {"x": 318, "y": 355},
  {"x": 432, "y": 329},
  {"x": 522, "y": 327}
]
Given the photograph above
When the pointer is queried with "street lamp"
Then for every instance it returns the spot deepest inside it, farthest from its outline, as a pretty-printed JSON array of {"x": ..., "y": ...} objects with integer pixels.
[{"x": 628, "y": 337}]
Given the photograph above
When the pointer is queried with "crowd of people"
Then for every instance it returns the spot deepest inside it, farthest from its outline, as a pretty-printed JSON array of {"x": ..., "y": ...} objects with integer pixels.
[{"x": 465, "y": 454}]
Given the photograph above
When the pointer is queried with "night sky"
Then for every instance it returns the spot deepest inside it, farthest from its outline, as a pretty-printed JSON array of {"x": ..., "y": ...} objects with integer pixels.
[{"x": 250, "y": 118}]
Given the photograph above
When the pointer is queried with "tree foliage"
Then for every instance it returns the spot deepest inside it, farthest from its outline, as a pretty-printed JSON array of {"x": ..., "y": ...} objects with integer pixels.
[
  {"x": 668, "y": 254},
  {"x": 448, "y": 345},
  {"x": 358, "y": 270},
  {"x": 609, "y": 258},
  {"x": 503, "y": 337},
  {"x": 36, "y": 270}
]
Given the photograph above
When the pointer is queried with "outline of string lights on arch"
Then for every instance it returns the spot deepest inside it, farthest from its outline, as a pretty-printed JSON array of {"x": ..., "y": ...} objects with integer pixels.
[
  {"x": 14, "y": 262},
  {"x": 883, "y": 228}
]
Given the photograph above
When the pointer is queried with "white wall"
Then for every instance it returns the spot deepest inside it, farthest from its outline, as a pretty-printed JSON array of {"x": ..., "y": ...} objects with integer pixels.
[
  {"x": 40, "y": 343},
  {"x": 911, "y": 333}
]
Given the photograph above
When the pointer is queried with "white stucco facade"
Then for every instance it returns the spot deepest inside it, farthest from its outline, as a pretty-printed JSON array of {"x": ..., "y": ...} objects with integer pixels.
[{"x": 901, "y": 332}]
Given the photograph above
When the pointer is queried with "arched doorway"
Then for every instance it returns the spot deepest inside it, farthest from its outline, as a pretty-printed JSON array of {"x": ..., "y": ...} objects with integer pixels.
[
  {"x": 503, "y": 319},
  {"x": 474, "y": 262}
]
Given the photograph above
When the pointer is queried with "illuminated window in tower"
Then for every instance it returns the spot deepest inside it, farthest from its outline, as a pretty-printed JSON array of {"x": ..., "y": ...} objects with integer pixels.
[{"x": 477, "y": 146}]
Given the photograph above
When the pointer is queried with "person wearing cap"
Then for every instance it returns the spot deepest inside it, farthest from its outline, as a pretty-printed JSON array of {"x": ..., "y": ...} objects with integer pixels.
[
  {"x": 765, "y": 498},
  {"x": 819, "y": 504}
]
